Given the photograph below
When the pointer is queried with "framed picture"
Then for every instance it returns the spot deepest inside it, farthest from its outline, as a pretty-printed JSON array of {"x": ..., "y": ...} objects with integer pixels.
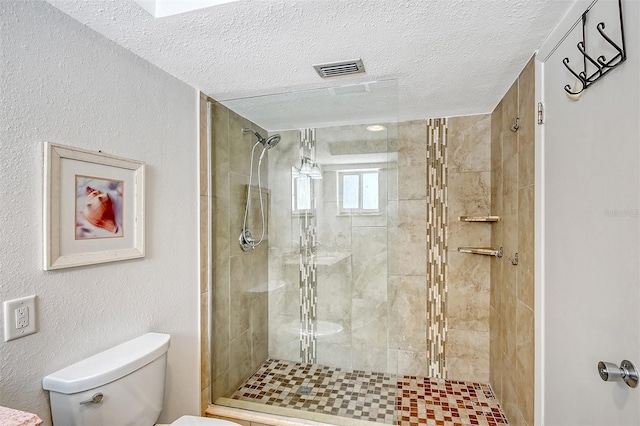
[{"x": 93, "y": 207}]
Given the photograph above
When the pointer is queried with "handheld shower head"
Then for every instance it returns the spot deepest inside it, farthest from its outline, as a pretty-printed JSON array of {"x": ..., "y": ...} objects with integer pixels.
[
  {"x": 246, "y": 240},
  {"x": 268, "y": 143},
  {"x": 272, "y": 141}
]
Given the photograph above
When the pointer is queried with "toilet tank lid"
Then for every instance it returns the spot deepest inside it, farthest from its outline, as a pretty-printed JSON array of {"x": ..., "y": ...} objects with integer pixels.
[{"x": 109, "y": 365}]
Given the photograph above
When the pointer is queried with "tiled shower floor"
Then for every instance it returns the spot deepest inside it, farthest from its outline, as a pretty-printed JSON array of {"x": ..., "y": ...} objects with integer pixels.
[{"x": 373, "y": 397}]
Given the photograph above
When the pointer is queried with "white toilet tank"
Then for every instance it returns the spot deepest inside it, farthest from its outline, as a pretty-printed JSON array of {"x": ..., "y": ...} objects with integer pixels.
[{"x": 129, "y": 377}]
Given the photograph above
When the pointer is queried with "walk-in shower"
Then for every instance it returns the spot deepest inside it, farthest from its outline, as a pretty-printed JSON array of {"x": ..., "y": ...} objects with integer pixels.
[{"x": 340, "y": 307}]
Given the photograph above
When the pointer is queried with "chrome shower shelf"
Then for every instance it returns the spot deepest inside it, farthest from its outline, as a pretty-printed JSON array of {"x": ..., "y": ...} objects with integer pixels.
[
  {"x": 486, "y": 251},
  {"x": 478, "y": 218}
]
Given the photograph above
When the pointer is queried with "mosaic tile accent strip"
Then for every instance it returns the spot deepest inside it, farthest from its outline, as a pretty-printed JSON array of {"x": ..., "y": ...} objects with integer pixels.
[
  {"x": 436, "y": 246},
  {"x": 374, "y": 397},
  {"x": 308, "y": 268}
]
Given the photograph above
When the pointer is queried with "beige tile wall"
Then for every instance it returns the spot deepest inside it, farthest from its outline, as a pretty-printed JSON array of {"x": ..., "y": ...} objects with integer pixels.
[
  {"x": 468, "y": 193},
  {"x": 239, "y": 279},
  {"x": 390, "y": 316},
  {"x": 408, "y": 253},
  {"x": 468, "y": 280},
  {"x": 512, "y": 287}
]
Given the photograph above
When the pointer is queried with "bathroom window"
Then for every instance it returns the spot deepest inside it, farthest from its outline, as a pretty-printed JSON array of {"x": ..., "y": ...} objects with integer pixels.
[{"x": 359, "y": 191}]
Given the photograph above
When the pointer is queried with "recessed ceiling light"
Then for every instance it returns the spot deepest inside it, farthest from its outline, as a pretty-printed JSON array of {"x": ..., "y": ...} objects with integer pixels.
[
  {"x": 376, "y": 128},
  {"x": 162, "y": 8}
]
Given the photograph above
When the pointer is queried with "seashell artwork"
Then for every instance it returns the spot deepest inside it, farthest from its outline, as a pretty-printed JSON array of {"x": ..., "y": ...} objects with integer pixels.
[{"x": 98, "y": 208}]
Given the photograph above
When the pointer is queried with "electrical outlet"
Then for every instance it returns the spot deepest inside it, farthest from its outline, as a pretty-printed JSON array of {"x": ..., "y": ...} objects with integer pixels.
[
  {"x": 19, "y": 317},
  {"x": 22, "y": 317}
]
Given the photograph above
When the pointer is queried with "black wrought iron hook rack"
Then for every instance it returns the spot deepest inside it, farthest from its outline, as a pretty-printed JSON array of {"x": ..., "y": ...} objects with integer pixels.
[{"x": 603, "y": 66}]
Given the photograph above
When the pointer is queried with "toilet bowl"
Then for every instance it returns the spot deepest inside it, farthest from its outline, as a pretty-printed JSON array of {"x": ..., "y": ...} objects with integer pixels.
[
  {"x": 199, "y": 421},
  {"x": 123, "y": 385}
]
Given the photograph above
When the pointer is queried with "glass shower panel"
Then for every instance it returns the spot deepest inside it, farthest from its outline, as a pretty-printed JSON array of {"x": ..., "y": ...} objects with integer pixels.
[
  {"x": 354, "y": 304},
  {"x": 329, "y": 255},
  {"x": 331, "y": 252}
]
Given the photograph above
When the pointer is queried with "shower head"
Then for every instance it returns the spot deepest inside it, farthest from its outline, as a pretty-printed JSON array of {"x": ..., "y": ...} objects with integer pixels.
[
  {"x": 268, "y": 143},
  {"x": 272, "y": 141}
]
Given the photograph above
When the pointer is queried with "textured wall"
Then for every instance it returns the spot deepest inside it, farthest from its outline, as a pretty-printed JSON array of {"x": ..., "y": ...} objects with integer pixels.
[
  {"x": 62, "y": 82},
  {"x": 512, "y": 287}
]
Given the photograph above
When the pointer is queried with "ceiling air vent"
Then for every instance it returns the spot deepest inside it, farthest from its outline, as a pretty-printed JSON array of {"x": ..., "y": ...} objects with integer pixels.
[{"x": 336, "y": 69}]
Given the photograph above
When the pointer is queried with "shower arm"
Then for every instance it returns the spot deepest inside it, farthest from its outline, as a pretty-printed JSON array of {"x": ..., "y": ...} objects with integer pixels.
[{"x": 257, "y": 135}]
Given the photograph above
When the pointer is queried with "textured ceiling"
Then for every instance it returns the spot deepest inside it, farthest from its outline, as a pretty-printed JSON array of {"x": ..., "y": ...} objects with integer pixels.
[{"x": 446, "y": 57}]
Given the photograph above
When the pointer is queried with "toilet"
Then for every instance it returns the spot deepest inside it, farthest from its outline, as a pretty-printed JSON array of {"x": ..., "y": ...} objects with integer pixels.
[{"x": 123, "y": 385}]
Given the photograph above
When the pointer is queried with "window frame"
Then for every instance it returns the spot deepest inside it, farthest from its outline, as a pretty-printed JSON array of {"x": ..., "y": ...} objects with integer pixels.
[{"x": 340, "y": 174}]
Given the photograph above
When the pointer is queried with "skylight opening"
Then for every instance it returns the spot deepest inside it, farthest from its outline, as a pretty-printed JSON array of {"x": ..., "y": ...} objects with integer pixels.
[{"x": 164, "y": 8}]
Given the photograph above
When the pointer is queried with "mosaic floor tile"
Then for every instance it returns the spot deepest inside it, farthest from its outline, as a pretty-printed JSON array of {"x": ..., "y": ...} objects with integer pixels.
[{"x": 375, "y": 397}]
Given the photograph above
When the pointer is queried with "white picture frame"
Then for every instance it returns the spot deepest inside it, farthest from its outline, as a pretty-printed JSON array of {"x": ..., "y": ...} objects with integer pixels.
[{"x": 93, "y": 207}]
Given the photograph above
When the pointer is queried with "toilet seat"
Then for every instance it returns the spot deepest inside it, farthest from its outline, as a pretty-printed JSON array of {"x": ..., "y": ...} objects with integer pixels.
[{"x": 200, "y": 421}]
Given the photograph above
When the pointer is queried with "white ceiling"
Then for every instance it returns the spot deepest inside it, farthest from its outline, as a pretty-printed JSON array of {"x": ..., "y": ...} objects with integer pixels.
[{"x": 444, "y": 57}]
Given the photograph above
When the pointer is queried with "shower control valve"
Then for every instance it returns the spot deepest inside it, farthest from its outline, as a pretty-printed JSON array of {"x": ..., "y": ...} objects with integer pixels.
[{"x": 246, "y": 240}]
